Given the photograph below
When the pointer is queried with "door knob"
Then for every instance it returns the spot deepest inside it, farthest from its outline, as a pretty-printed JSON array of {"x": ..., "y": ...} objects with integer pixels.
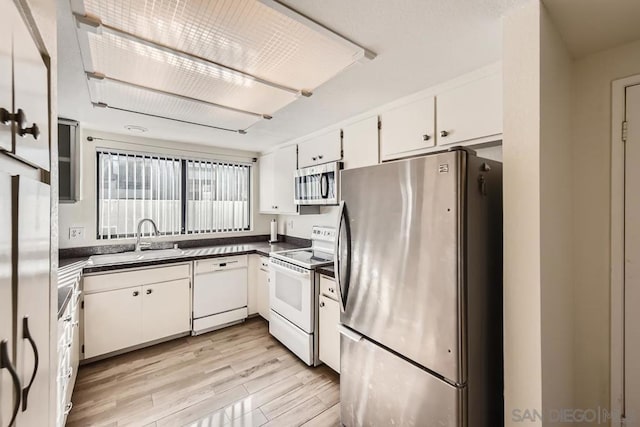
[{"x": 444, "y": 133}]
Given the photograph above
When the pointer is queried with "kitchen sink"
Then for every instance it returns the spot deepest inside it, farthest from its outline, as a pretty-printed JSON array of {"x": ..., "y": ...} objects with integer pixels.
[{"x": 132, "y": 256}]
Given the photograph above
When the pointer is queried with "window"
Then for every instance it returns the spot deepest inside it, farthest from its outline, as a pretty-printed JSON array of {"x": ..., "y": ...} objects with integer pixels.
[{"x": 182, "y": 196}]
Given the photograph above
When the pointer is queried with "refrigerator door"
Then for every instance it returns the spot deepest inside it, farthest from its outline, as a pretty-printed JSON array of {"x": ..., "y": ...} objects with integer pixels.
[
  {"x": 378, "y": 388},
  {"x": 399, "y": 259},
  {"x": 31, "y": 246}
]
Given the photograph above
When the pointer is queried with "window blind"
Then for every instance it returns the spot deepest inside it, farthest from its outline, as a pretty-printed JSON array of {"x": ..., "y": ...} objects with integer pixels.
[
  {"x": 182, "y": 196},
  {"x": 217, "y": 197},
  {"x": 132, "y": 187}
]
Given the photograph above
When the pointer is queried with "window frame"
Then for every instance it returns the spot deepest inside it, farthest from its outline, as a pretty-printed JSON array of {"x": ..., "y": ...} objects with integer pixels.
[{"x": 183, "y": 192}]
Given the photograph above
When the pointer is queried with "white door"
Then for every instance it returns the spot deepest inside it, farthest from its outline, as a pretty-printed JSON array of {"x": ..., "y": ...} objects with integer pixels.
[
  {"x": 329, "y": 319},
  {"x": 286, "y": 163},
  {"x": 266, "y": 183},
  {"x": 112, "y": 321},
  {"x": 165, "y": 309},
  {"x": 360, "y": 143},
  {"x": 632, "y": 254}
]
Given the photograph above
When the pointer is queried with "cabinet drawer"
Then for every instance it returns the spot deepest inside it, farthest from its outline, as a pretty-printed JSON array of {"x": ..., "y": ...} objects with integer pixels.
[
  {"x": 328, "y": 287},
  {"x": 219, "y": 264},
  {"x": 129, "y": 278}
]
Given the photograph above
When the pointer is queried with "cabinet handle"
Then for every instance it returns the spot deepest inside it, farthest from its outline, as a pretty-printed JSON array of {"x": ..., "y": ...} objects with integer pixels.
[
  {"x": 332, "y": 290},
  {"x": 67, "y": 408},
  {"x": 19, "y": 118},
  {"x": 5, "y": 116},
  {"x": 136, "y": 293},
  {"x": 320, "y": 156},
  {"x": 275, "y": 207},
  {"x": 26, "y": 334},
  {"x": 149, "y": 291},
  {"x": 5, "y": 362},
  {"x": 314, "y": 159},
  {"x": 321, "y": 303},
  {"x": 426, "y": 137},
  {"x": 444, "y": 133},
  {"x": 67, "y": 319},
  {"x": 34, "y": 131}
]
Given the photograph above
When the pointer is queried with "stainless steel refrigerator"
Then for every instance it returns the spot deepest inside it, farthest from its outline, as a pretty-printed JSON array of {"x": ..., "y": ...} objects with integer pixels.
[{"x": 419, "y": 269}]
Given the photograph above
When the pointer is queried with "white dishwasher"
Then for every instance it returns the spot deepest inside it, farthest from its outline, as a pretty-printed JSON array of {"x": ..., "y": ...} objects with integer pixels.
[{"x": 219, "y": 293}]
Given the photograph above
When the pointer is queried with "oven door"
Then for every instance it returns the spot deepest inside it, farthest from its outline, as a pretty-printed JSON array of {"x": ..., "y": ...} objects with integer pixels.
[{"x": 292, "y": 293}]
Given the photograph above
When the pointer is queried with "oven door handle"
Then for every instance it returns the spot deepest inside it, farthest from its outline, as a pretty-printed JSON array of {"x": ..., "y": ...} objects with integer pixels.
[{"x": 288, "y": 271}]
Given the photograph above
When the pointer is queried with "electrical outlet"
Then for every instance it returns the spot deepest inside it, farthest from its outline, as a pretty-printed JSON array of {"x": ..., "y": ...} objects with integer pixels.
[
  {"x": 290, "y": 225},
  {"x": 76, "y": 233}
]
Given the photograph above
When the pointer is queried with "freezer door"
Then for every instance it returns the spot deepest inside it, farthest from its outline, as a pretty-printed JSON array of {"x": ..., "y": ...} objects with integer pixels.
[
  {"x": 399, "y": 258},
  {"x": 378, "y": 388}
]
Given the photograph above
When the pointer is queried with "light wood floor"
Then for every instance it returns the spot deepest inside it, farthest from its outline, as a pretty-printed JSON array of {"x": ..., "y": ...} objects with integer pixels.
[{"x": 238, "y": 376}]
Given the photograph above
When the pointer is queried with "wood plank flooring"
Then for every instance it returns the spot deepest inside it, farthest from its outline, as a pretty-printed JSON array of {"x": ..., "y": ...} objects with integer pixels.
[{"x": 238, "y": 376}]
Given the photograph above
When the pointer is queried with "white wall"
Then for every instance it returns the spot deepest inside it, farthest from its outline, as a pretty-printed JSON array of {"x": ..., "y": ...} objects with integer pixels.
[
  {"x": 83, "y": 213},
  {"x": 591, "y": 136},
  {"x": 521, "y": 187},
  {"x": 556, "y": 211}
]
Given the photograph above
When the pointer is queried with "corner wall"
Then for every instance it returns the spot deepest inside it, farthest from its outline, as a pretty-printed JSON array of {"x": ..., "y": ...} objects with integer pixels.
[{"x": 538, "y": 286}]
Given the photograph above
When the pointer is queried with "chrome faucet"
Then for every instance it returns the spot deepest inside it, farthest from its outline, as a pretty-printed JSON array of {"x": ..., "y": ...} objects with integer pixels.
[{"x": 139, "y": 244}]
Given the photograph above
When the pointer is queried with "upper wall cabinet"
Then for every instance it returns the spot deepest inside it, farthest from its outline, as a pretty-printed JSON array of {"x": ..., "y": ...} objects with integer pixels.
[
  {"x": 360, "y": 143},
  {"x": 471, "y": 111},
  {"x": 321, "y": 149},
  {"x": 407, "y": 130},
  {"x": 24, "y": 99},
  {"x": 276, "y": 181}
]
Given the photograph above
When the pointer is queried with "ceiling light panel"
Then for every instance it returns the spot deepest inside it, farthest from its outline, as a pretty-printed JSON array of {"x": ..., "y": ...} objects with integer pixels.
[
  {"x": 126, "y": 97},
  {"x": 243, "y": 34},
  {"x": 124, "y": 59}
]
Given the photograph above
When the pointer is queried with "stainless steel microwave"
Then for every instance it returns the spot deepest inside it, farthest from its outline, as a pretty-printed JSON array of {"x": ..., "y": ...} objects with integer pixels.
[{"x": 317, "y": 185}]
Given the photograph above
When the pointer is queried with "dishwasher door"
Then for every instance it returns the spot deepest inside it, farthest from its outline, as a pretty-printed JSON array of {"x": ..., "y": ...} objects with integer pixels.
[{"x": 219, "y": 292}]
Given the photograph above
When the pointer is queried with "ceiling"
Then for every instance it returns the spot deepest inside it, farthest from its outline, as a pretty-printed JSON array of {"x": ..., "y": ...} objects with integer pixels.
[
  {"x": 589, "y": 26},
  {"x": 418, "y": 43}
]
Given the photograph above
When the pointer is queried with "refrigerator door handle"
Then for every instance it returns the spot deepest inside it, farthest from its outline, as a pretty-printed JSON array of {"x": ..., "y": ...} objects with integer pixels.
[
  {"x": 353, "y": 336},
  {"x": 342, "y": 283}
]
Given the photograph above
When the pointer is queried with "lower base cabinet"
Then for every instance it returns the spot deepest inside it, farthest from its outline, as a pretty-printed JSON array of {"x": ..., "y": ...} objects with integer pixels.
[
  {"x": 143, "y": 308},
  {"x": 68, "y": 356},
  {"x": 262, "y": 291},
  {"x": 329, "y": 321}
]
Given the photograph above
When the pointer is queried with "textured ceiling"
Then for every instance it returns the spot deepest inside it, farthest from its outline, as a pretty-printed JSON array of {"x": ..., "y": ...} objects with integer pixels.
[
  {"x": 419, "y": 43},
  {"x": 589, "y": 26}
]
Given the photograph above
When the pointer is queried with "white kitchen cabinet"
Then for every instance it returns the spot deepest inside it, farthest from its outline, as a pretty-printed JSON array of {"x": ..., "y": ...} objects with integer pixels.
[
  {"x": 112, "y": 321},
  {"x": 264, "y": 307},
  {"x": 276, "y": 181},
  {"x": 68, "y": 356},
  {"x": 408, "y": 129},
  {"x": 360, "y": 145},
  {"x": 329, "y": 338},
  {"x": 125, "y": 309},
  {"x": 324, "y": 148},
  {"x": 165, "y": 309},
  {"x": 471, "y": 111}
]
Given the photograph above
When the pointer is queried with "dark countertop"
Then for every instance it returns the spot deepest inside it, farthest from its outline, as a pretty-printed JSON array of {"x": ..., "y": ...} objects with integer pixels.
[
  {"x": 327, "y": 271},
  {"x": 71, "y": 269}
]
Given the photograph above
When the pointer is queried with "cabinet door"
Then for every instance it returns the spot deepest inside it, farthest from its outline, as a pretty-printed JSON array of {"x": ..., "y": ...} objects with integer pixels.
[
  {"x": 266, "y": 184},
  {"x": 6, "y": 293},
  {"x": 408, "y": 130},
  {"x": 8, "y": 16},
  {"x": 32, "y": 256},
  {"x": 285, "y": 166},
  {"x": 329, "y": 319},
  {"x": 252, "y": 285},
  {"x": 470, "y": 111},
  {"x": 263, "y": 293},
  {"x": 324, "y": 148},
  {"x": 360, "y": 143},
  {"x": 112, "y": 321},
  {"x": 165, "y": 309},
  {"x": 31, "y": 95}
]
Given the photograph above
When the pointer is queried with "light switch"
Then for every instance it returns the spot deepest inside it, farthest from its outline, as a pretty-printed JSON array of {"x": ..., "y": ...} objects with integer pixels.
[{"x": 76, "y": 233}]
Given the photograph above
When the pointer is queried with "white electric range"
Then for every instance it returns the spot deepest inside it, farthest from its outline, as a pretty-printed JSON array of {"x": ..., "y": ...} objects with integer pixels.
[{"x": 294, "y": 290}]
